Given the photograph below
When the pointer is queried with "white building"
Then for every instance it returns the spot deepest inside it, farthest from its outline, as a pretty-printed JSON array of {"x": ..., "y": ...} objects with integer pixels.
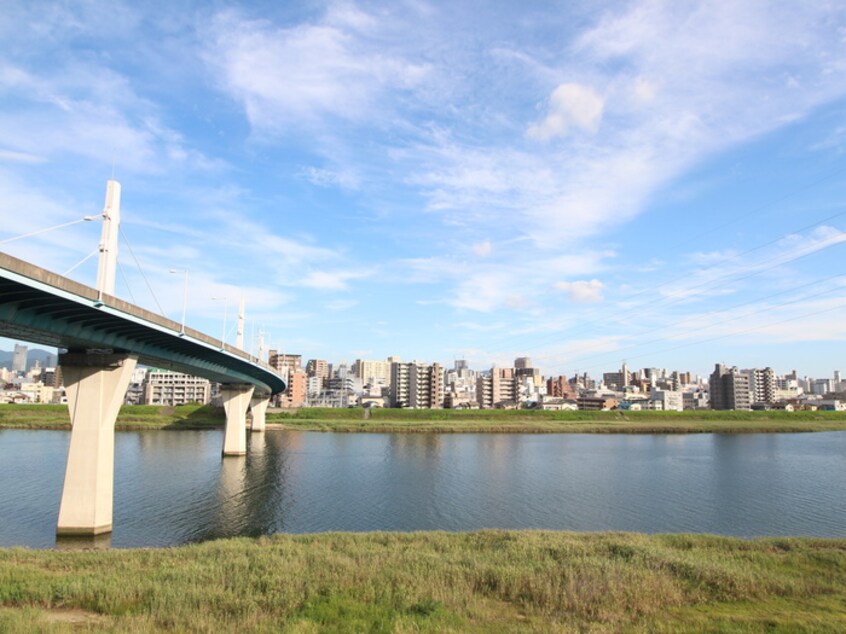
[
  {"x": 667, "y": 400},
  {"x": 163, "y": 387},
  {"x": 371, "y": 372}
]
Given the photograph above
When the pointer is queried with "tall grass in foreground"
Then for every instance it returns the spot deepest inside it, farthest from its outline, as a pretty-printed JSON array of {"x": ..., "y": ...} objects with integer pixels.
[{"x": 489, "y": 581}]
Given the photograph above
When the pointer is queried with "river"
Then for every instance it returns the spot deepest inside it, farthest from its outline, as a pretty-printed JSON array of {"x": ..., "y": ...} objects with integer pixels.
[{"x": 173, "y": 487}]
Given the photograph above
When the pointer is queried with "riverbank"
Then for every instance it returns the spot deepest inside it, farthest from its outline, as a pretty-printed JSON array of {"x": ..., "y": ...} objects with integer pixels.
[
  {"x": 131, "y": 417},
  {"x": 488, "y": 581},
  {"x": 139, "y": 417},
  {"x": 537, "y": 421}
]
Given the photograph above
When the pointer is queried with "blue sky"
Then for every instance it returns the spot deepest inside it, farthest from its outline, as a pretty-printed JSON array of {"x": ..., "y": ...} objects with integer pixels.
[{"x": 582, "y": 183}]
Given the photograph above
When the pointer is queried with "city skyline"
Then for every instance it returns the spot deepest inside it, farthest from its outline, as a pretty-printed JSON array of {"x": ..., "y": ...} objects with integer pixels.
[{"x": 639, "y": 181}]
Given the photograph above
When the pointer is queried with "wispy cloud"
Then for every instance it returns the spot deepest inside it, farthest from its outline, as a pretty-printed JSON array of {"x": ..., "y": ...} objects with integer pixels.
[
  {"x": 582, "y": 291},
  {"x": 288, "y": 77}
]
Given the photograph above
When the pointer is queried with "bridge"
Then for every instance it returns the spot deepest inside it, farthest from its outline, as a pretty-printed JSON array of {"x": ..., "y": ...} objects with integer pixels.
[{"x": 104, "y": 338}]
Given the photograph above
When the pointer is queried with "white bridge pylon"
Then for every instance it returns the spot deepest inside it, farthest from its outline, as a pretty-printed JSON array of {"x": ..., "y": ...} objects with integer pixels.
[{"x": 107, "y": 263}]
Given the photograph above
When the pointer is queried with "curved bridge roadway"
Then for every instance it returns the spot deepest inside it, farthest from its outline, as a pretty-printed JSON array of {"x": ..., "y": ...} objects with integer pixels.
[{"x": 105, "y": 337}]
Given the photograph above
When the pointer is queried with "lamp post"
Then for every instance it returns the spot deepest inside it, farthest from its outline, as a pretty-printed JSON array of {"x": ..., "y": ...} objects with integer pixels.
[
  {"x": 225, "y": 307},
  {"x": 184, "y": 296}
]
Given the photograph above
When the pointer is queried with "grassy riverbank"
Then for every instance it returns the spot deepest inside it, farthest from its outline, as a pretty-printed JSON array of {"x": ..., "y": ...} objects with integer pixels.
[
  {"x": 536, "y": 421},
  {"x": 490, "y": 581},
  {"x": 130, "y": 417},
  {"x": 445, "y": 421}
]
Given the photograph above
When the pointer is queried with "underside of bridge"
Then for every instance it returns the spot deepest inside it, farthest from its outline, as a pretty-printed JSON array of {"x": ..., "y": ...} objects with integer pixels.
[{"x": 104, "y": 338}]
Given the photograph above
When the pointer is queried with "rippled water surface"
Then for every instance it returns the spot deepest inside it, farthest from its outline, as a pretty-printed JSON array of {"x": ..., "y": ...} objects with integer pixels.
[{"x": 173, "y": 487}]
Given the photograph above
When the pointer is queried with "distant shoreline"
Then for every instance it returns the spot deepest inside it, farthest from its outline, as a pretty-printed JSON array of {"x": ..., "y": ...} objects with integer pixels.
[{"x": 352, "y": 420}]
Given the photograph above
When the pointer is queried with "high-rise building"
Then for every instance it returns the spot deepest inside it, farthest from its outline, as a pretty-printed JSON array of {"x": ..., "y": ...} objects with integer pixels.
[
  {"x": 19, "y": 358},
  {"x": 417, "y": 385},
  {"x": 284, "y": 362},
  {"x": 762, "y": 385},
  {"x": 296, "y": 393},
  {"x": 618, "y": 380},
  {"x": 373, "y": 371},
  {"x": 729, "y": 388},
  {"x": 522, "y": 363},
  {"x": 524, "y": 369},
  {"x": 499, "y": 386},
  {"x": 318, "y": 369}
]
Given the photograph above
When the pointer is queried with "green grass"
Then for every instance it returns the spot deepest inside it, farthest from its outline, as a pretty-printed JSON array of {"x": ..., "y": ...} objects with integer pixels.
[
  {"x": 446, "y": 421},
  {"x": 130, "y": 417},
  {"x": 536, "y": 421},
  {"x": 488, "y": 581}
]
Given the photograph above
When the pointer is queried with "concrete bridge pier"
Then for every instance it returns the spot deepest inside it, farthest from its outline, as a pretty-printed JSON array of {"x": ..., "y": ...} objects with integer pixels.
[
  {"x": 258, "y": 407},
  {"x": 96, "y": 383},
  {"x": 236, "y": 400}
]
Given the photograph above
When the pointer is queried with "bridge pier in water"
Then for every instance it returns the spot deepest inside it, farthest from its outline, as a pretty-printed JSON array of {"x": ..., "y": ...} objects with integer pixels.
[
  {"x": 95, "y": 384},
  {"x": 258, "y": 408},
  {"x": 236, "y": 400}
]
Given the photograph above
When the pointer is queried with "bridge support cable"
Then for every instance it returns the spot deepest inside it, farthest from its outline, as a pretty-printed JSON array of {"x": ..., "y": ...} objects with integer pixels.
[
  {"x": 236, "y": 400},
  {"x": 81, "y": 262},
  {"x": 141, "y": 271},
  {"x": 126, "y": 283},
  {"x": 95, "y": 385},
  {"x": 258, "y": 408},
  {"x": 48, "y": 229}
]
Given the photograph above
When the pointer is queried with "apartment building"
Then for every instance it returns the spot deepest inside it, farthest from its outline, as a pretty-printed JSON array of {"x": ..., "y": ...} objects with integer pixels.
[
  {"x": 317, "y": 369},
  {"x": 762, "y": 385},
  {"x": 497, "y": 387},
  {"x": 164, "y": 387},
  {"x": 371, "y": 372},
  {"x": 284, "y": 362},
  {"x": 296, "y": 393},
  {"x": 417, "y": 385},
  {"x": 560, "y": 387},
  {"x": 729, "y": 388}
]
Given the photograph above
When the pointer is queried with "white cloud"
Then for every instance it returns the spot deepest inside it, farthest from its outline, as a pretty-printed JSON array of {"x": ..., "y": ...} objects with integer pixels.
[
  {"x": 286, "y": 77},
  {"x": 345, "y": 178},
  {"x": 85, "y": 110},
  {"x": 20, "y": 157},
  {"x": 517, "y": 279},
  {"x": 482, "y": 249},
  {"x": 583, "y": 291},
  {"x": 329, "y": 280},
  {"x": 570, "y": 106}
]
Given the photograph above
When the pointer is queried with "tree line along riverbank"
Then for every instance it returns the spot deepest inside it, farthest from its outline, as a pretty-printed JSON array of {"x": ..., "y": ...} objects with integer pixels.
[
  {"x": 138, "y": 417},
  {"x": 488, "y": 581}
]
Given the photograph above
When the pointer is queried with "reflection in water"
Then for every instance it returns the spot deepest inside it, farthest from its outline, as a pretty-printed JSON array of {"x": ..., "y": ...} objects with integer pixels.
[
  {"x": 94, "y": 542},
  {"x": 174, "y": 487},
  {"x": 249, "y": 498},
  {"x": 231, "y": 514}
]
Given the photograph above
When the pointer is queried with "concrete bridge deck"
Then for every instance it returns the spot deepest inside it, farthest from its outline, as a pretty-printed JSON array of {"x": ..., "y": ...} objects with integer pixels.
[{"x": 43, "y": 307}]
